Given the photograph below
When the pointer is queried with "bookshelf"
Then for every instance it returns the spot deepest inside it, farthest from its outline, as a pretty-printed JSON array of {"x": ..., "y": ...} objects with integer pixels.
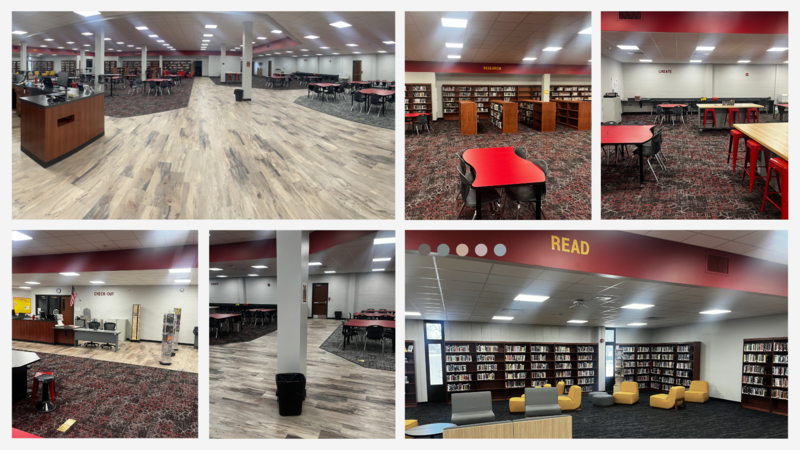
[
  {"x": 411, "y": 375},
  {"x": 541, "y": 116},
  {"x": 575, "y": 114},
  {"x": 765, "y": 375},
  {"x": 15, "y": 66},
  {"x": 659, "y": 366},
  {"x": 419, "y": 98},
  {"x": 573, "y": 92},
  {"x": 175, "y": 66},
  {"x": 69, "y": 67},
  {"x": 506, "y": 368},
  {"x": 109, "y": 66},
  {"x": 505, "y": 115},
  {"x": 41, "y": 66},
  {"x": 468, "y": 113},
  {"x": 482, "y": 95}
]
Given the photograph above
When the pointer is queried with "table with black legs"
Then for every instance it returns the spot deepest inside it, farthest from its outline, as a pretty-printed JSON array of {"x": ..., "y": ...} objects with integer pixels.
[
  {"x": 636, "y": 135},
  {"x": 20, "y": 363}
]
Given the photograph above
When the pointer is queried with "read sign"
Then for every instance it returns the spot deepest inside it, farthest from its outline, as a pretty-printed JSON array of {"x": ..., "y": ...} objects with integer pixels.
[{"x": 567, "y": 245}]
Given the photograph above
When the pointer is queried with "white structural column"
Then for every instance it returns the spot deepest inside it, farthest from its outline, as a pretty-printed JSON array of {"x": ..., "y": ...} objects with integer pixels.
[
  {"x": 293, "y": 313},
  {"x": 99, "y": 56},
  {"x": 545, "y": 87},
  {"x": 23, "y": 58},
  {"x": 80, "y": 65},
  {"x": 247, "y": 61},
  {"x": 160, "y": 65},
  {"x": 222, "y": 63},
  {"x": 143, "y": 73}
]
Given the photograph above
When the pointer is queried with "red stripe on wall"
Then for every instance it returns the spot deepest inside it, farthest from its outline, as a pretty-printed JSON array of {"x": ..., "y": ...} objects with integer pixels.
[
  {"x": 616, "y": 253},
  {"x": 700, "y": 22},
  {"x": 267, "y": 248},
  {"x": 131, "y": 259},
  {"x": 524, "y": 69},
  {"x": 275, "y": 45}
]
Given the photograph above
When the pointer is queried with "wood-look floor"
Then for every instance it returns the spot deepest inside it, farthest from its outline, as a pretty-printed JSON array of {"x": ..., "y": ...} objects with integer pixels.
[
  {"x": 138, "y": 353},
  {"x": 344, "y": 399},
  {"x": 216, "y": 159}
]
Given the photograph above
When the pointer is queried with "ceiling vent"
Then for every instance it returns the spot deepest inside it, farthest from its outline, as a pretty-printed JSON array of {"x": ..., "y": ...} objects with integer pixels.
[
  {"x": 628, "y": 15},
  {"x": 717, "y": 264}
]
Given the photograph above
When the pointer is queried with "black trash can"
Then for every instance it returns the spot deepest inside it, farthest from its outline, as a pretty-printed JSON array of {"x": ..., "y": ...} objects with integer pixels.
[
  {"x": 239, "y": 93},
  {"x": 338, "y": 315},
  {"x": 291, "y": 393}
]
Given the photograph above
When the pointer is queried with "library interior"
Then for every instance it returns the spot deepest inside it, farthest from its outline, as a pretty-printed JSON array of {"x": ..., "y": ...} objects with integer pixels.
[
  {"x": 104, "y": 334},
  {"x": 568, "y": 334},
  {"x": 302, "y": 334},
  {"x": 498, "y": 115},
  {"x": 695, "y": 115}
]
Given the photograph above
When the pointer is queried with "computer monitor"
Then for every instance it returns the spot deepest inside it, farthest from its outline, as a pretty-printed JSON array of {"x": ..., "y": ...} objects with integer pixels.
[
  {"x": 13, "y": 313},
  {"x": 19, "y": 77},
  {"x": 63, "y": 79},
  {"x": 48, "y": 82}
]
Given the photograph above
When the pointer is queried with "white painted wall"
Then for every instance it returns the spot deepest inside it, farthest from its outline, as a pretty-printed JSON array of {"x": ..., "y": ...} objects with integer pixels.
[
  {"x": 634, "y": 336},
  {"x": 155, "y": 301},
  {"x": 375, "y": 66},
  {"x": 610, "y": 68},
  {"x": 22, "y": 293},
  {"x": 213, "y": 69}
]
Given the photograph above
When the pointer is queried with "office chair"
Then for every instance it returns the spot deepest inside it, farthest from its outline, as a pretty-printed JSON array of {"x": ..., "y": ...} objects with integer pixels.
[
  {"x": 109, "y": 326},
  {"x": 93, "y": 325}
]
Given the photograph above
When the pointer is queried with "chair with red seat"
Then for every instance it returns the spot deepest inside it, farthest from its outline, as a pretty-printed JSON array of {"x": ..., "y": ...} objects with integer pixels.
[
  {"x": 713, "y": 116},
  {"x": 732, "y": 112},
  {"x": 733, "y": 146},
  {"x": 191, "y": 74},
  {"x": 48, "y": 380},
  {"x": 751, "y": 157},
  {"x": 781, "y": 168},
  {"x": 749, "y": 112}
]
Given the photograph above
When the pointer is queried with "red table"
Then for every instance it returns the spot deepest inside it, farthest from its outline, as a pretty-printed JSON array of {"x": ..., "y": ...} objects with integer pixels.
[
  {"x": 374, "y": 314},
  {"x": 409, "y": 115},
  {"x": 19, "y": 434},
  {"x": 782, "y": 107},
  {"x": 281, "y": 77},
  {"x": 367, "y": 323},
  {"x": 225, "y": 317},
  {"x": 380, "y": 92},
  {"x": 628, "y": 135},
  {"x": 360, "y": 82},
  {"x": 377, "y": 310},
  {"x": 501, "y": 167}
]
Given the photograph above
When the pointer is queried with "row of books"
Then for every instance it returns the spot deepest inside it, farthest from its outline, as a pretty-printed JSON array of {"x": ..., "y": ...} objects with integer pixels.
[
  {"x": 585, "y": 357},
  {"x": 539, "y": 375},
  {"x": 572, "y": 88},
  {"x": 420, "y": 94},
  {"x": 515, "y": 384},
  {"x": 488, "y": 348},
  {"x": 753, "y": 390},
  {"x": 758, "y": 347},
  {"x": 487, "y": 367},
  {"x": 582, "y": 349},
  {"x": 626, "y": 349},
  {"x": 684, "y": 365},
  {"x": 485, "y": 376},
  {"x": 458, "y": 358},
  {"x": 586, "y": 380},
  {"x": 783, "y": 395},
  {"x": 781, "y": 346},
  {"x": 540, "y": 349},
  {"x": 563, "y": 365},
  {"x": 664, "y": 356},
  {"x": 586, "y": 373},
  {"x": 515, "y": 357},
  {"x": 664, "y": 349},
  {"x": 684, "y": 356},
  {"x": 665, "y": 365},
  {"x": 749, "y": 368},
  {"x": 538, "y": 357},
  {"x": 455, "y": 368},
  {"x": 685, "y": 349},
  {"x": 419, "y": 88},
  {"x": 485, "y": 358},
  {"x": 418, "y": 100},
  {"x": 467, "y": 377},
  {"x": 782, "y": 359},
  {"x": 516, "y": 375},
  {"x": 562, "y": 357},
  {"x": 756, "y": 357},
  {"x": 515, "y": 348},
  {"x": 683, "y": 374},
  {"x": 780, "y": 382},
  {"x": 515, "y": 366},
  {"x": 563, "y": 374},
  {"x": 585, "y": 365},
  {"x": 539, "y": 366},
  {"x": 643, "y": 349},
  {"x": 779, "y": 370},
  {"x": 458, "y": 387}
]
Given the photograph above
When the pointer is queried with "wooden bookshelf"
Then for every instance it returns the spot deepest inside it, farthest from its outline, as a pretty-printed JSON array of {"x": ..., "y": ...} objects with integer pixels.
[
  {"x": 468, "y": 113},
  {"x": 574, "y": 114},
  {"x": 482, "y": 95},
  {"x": 69, "y": 67},
  {"x": 765, "y": 378},
  {"x": 539, "y": 115},
  {"x": 175, "y": 66},
  {"x": 15, "y": 66},
  {"x": 505, "y": 115},
  {"x": 41, "y": 66},
  {"x": 572, "y": 92},
  {"x": 660, "y": 366},
  {"x": 419, "y": 98},
  {"x": 507, "y": 368},
  {"x": 411, "y": 375}
]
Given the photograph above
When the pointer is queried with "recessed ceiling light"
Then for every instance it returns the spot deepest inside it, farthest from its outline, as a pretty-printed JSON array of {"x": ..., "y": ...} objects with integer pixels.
[
  {"x": 288, "y": 51},
  {"x": 335, "y": 53},
  {"x": 383, "y": 240},
  {"x": 551, "y": 49},
  {"x": 138, "y": 48},
  {"x": 182, "y": 280},
  {"x": 152, "y": 35},
  {"x": 211, "y": 26},
  {"x": 32, "y": 282},
  {"x": 294, "y": 56},
  {"x": 715, "y": 311},
  {"x": 628, "y": 47},
  {"x": 252, "y": 274},
  {"x": 351, "y": 45},
  {"x": 637, "y": 324},
  {"x": 645, "y": 60},
  {"x": 87, "y": 13},
  {"x": 277, "y": 53},
  {"x": 454, "y": 23},
  {"x": 637, "y": 306},
  {"x": 222, "y": 276},
  {"x": 529, "y": 59},
  {"x": 705, "y": 49},
  {"x": 165, "y": 45},
  {"x": 743, "y": 61},
  {"x": 340, "y": 24},
  {"x": 356, "y": 53},
  {"x": 453, "y": 45},
  {"x": 773, "y": 49},
  {"x": 74, "y": 48},
  {"x": 303, "y": 49},
  {"x": 531, "y": 298},
  {"x": 110, "y": 49},
  {"x": 69, "y": 274},
  {"x": 50, "y": 40},
  {"x": 277, "y": 31},
  {"x": 120, "y": 43},
  {"x": 206, "y": 40},
  {"x": 412, "y": 313},
  {"x": 319, "y": 54},
  {"x": 259, "y": 267},
  {"x": 330, "y": 271},
  {"x": 119, "y": 50},
  {"x": 70, "y": 42},
  {"x": 160, "y": 40},
  {"x": 586, "y": 31},
  {"x": 381, "y": 259},
  {"x": 311, "y": 37},
  {"x": 388, "y": 42},
  {"x": 141, "y": 28},
  {"x": 454, "y": 56},
  {"x": 381, "y": 51},
  {"x": 19, "y": 32},
  {"x": 577, "y": 321},
  {"x": 315, "y": 264},
  {"x": 324, "y": 48},
  {"x": 97, "y": 282},
  {"x": 695, "y": 61},
  {"x": 130, "y": 45},
  {"x": 86, "y": 45},
  {"x": 214, "y": 268},
  {"x": 17, "y": 236},
  {"x": 88, "y": 34},
  {"x": 42, "y": 46},
  {"x": 378, "y": 270},
  {"x": 60, "y": 47},
  {"x": 24, "y": 287},
  {"x": 501, "y": 317},
  {"x": 184, "y": 270}
]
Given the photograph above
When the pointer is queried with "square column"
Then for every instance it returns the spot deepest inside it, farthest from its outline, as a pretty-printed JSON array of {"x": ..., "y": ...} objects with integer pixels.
[
  {"x": 292, "y": 312},
  {"x": 23, "y": 58},
  {"x": 160, "y": 65},
  {"x": 99, "y": 56},
  {"x": 222, "y": 63},
  {"x": 545, "y": 87},
  {"x": 143, "y": 72},
  {"x": 247, "y": 61}
]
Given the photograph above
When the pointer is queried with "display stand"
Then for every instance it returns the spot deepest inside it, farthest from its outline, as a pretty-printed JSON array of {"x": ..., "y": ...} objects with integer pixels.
[
  {"x": 167, "y": 337},
  {"x": 135, "y": 323},
  {"x": 177, "y": 330}
]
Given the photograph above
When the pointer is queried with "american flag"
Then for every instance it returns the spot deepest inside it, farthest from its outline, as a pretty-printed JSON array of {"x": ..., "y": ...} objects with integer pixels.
[{"x": 72, "y": 298}]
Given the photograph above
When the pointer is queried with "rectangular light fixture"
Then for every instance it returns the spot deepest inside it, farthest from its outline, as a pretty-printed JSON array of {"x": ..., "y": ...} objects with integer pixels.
[
  {"x": 454, "y": 56},
  {"x": 252, "y": 274},
  {"x": 70, "y": 42},
  {"x": 715, "y": 311},
  {"x": 97, "y": 282},
  {"x": 705, "y": 49},
  {"x": 351, "y": 45},
  {"x": 69, "y": 274},
  {"x": 222, "y": 276},
  {"x": 182, "y": 280},
  {"x": 88, "y": 34},
  {"x": 381, "y": 259},
  {"x": 180, "y": 270},
  {"x": 637, "y": 306},
  {"x": 531, "y": 298},
  {"x": 381, "y": 51},
  {"x": 17, "y": 236},
  {"x": 637, "y": 324},
  {"x": 551, "y": 49},
  {"x": 384, "y": 241},
  {"x": 259, "y": 267},
  {"x": 152, "y": 35},
  {"x": 627, "y": 47},
  {"x": 645, "y": 60},
  {"x": 388, "y": 42},
  {"x": 206, "y": 40},
  {"x": 743, "y": 61},
  {"x": 130, "y": 45},
  {"x": 454, "y": 23},
  {"x": 502, "y": 318},
  {"x": 19, "y": 32},
  {"x": 277, "y": 31},
  {"x": 120, "y": 43},
  {"x": 311, "y": 37},
  {"x": 87, "y": 13},
  {"x": 340, "y": 24},
  {"x": 214, "y": 268},
  {"x": 160, "y": 40},
  {"x": 778, "y": 49},
  {"x": 315, "y": 264},
  {"x": 106, "y": 39},
  {"x": 141, "y": 28},
  {"x": 211, "y": 26},
  {"x": 529, "y": 59},
  {"x": 577, "y": 321},
  {"x": 695, "y": 61},
  {"x": 412, "y": 313},
  {"x": 24, "y": 287},
  {"x": 48, "y": 40},
  {"x": 260, "y": 38},
  {"x": 330, "y": 271},
  {"x": 453, "y": 45},
  {"x": 378, "y": 270},
  {"x": 32, "y": 282},
  {"x": 586, "y": 31},
  {"x": 356, "y": 53}
]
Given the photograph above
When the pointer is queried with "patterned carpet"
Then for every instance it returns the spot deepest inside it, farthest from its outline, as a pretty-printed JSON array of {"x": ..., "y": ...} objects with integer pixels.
[
  {"x": 123, "y": 104},
  {"x": 248, "y": 333},
  {"x": 111, "y": 400},
  {"x": 715, "y": 419},
  {"x": 354, "y": 352},
  {"x": 341, "y": 109},
  {"x": 432, "y": 180},
  {"x": 698, "y": 183}
]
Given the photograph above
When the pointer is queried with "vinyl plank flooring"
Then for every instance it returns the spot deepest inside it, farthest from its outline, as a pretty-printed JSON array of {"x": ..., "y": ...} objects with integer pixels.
[{"x": 216, "y": 159}]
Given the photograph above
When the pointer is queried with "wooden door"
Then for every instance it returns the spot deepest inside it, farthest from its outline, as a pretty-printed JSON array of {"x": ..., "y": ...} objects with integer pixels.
[
  {"x": 66, "y": 309},
  {"x": 319, "y": 300},
  {"x": 356, "y": 70},
  {"x": 269, "y": 69}
]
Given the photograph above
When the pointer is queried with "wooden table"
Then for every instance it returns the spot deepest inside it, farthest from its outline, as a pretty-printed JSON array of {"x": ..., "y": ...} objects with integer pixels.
[
  {"x": 739, "y": 106},
  {"x": 772, "y": 136},
  {"x": 628, "y": 135}
]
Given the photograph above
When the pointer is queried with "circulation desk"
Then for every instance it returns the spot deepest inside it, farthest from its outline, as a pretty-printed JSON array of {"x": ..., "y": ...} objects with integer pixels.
[
  {"x": 38, "y": 330},
  {"x": 53, "y": 130}
]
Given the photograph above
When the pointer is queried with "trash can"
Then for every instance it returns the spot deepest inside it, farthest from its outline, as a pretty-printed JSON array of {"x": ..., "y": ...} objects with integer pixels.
[
  {"x": 239, "y": 94},
  {"x": 291, "y": 393},
  {"x": 338, "y": 315},
  {"x": 195, "y": 337}
]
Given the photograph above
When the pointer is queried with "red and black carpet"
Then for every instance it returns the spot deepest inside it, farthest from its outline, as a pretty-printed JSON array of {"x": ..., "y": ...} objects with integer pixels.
[
  {"x": 111, "y": 400},
  {"x": 123, "y": 104},
  {"x": 432, "y": 178},
  {"x": 698, "y": 183}
]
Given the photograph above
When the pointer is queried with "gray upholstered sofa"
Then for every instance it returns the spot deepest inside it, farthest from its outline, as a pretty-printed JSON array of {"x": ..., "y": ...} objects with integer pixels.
[
  {"x": 472, "y": 407},
  {"x": 541, "y": 402}
]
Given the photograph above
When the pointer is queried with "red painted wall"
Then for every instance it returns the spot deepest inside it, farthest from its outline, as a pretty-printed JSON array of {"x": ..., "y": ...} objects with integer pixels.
[
  {"x": 700, "y": 22},
  {"x": 131, "y": 259},
  {"x": 530, "y": 69},
  {"x": 267, "y": 248},
  {"x": 617, "y": 253}
]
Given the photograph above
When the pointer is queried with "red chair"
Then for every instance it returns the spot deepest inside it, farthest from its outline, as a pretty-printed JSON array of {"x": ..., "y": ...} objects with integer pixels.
[
  {"x": 182, "y": 73},
  {"x": 36, "y": 386},
  {"x": 751, "y": 111},
  {"x": 713, "y": 116},
  {"x": 781, "y": 169},
  {"x": 733, "y": 146},
  {"x": 191, "y": 74},
  {"x": 753, "y": 149},
  {"x": 731, "y": 113}
]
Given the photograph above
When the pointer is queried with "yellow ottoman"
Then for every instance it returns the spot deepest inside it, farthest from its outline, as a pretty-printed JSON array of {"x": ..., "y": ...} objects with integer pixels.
[
  {"x": 517, "y": 404},
  {"x": 411, "y": 424}
]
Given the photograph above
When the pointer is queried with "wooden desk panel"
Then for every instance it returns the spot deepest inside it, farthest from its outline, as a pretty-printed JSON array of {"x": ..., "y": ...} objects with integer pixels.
[
  {"x": 33, "y": 330},
  {"x": 555, "y": 428},
  {"x": 490, "y": 431},
  {"x": 468, "y": 116},
  {"x": 66, "y": 337}
]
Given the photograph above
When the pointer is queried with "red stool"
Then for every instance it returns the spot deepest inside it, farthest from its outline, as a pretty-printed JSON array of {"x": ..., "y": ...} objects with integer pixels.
[
  {"x": 751, "y": 111},
  {"x": 733, "y": 146},
  {"x": 47, "y": 403},
  {"x": 753, "y": 149},
  {"x": 781, "y": 169},
  {"x": 713, "y": 116},
  {"x": 731, "y": 112}
]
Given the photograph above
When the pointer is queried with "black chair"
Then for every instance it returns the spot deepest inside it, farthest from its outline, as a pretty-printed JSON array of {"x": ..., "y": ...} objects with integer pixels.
[
  {"x": 347, "y": 333},
  {"x": 522, "y": 152},
  {"x": 213, "y": 324},
  {"x": 132, "y": 86},
  {"x": 248, "y": 316},
  {"x": 374, "y": 333},
  {"x": 469, "y": 196},
  {"x": 358, "y": 98},
  {"x": 93, "y": 325},
  {"x": 385, "y": 318},
  {"x": 652, "y": 149},
  {"x": 527, "y": 194},
  {"x": 362, "y": 317},
  {"x": 375, "y": 100},
  {"x": 390, "y": 101},
  {"x": 260, "y": 316},
  {"x": 340, "y": 90},
  {"x": 677, "y": 111},
  {"x": 109, "y": 326},
  {"x": 659, "y": 114},
  {"x": 422, "y": 121},
  {"x": 311, "y": 90},
  {"x": 165, "y": 84},
  {"x": 331, "y": 90}
]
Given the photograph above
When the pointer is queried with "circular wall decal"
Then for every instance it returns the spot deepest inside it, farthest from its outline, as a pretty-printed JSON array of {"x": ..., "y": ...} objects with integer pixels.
[
  {"x": 481, "y": 250},
  {"x": 462, "y": 250},
  {"x": 424, "y": 249},
  {"x": 443, "y": 250},
  {"x": 500, "y": 250}
]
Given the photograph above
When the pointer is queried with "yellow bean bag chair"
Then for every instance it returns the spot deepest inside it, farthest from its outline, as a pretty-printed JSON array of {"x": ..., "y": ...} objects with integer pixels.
[
  {"x": 698, "y": 392},
  {"x": 572, "y": 401},
  {"x": 628, "y": 393},
  {"x": 411, "y": 424},
  {"x": 672, "y": 401},
  {"x": 517, "y": 404}
]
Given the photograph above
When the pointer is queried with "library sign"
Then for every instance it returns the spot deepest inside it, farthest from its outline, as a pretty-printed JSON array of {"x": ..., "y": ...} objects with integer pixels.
[
  {"x": 104, "y": 294},
  {"x": 567, "y": 245}
]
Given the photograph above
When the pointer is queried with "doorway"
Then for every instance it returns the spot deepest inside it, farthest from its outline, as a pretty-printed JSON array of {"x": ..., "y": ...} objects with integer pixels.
[
  {"x": 356, "y": 70},
  {"x": 434, "y": 358},
  {"x": 319, "y": 300},
  {"x": 609, "y": 366},
  {"x": 198, "y": 68},
  {"x": 269, "y": 68}
]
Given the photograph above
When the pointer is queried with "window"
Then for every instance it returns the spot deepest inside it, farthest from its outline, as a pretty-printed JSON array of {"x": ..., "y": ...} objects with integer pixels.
[
  {"x": 610, "y": 340},
  {"x": 610, "y": 332},
  {"x": 433, "y": 331},
  {"x": 435, "y": 364}
]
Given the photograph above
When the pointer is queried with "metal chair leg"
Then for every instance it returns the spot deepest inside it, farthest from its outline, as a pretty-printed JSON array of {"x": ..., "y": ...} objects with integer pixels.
[{"x": 651, "y": 169}]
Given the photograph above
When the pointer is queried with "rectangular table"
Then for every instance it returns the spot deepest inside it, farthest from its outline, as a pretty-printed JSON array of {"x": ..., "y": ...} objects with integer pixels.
[
  {"x": 739, "y": 106},
  {"x": 102, "y": 336},
  {"x": 772, "y": 136}
]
